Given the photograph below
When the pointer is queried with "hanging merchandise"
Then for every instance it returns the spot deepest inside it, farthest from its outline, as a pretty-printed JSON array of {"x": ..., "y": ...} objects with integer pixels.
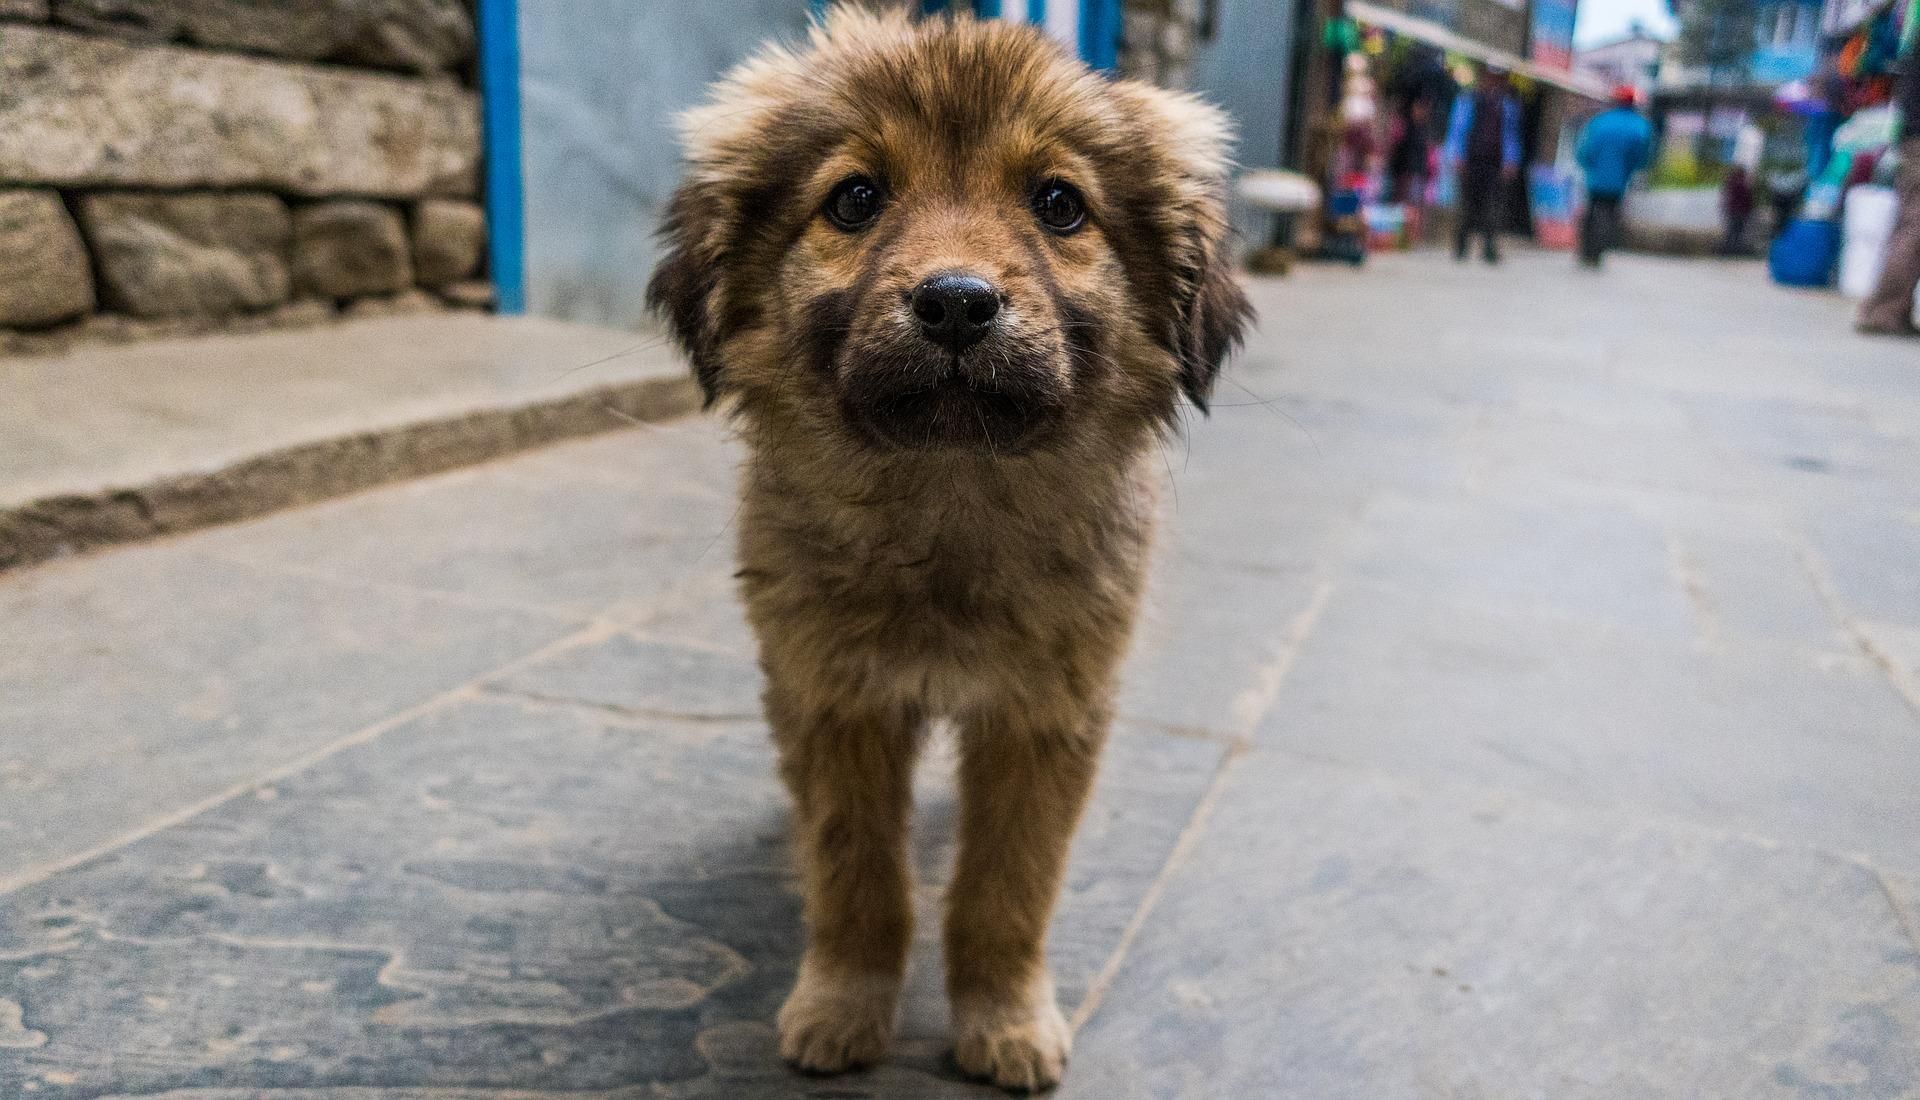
[
  {"x": 1342, "y": 36},
  {"x": 1868, "y": 129}
]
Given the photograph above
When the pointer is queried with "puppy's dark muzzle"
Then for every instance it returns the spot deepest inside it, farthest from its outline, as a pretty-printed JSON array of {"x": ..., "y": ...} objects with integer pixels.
[{"x": 947, "y": 405}]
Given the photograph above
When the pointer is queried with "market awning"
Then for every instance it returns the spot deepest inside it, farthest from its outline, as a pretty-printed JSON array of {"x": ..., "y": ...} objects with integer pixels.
[{"x": 1439, "y": 37}]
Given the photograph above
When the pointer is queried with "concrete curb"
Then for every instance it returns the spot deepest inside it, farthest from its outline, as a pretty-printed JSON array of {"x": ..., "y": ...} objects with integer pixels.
[{"x": 60, "y": 526}]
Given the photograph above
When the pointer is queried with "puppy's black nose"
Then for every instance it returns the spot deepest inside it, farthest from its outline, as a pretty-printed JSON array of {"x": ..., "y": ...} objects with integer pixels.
[{"x": 955, "y": 310}]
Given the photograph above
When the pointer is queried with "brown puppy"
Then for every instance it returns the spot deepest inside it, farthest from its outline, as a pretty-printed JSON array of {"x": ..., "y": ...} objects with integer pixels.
[{"x": 952, "y": 284}]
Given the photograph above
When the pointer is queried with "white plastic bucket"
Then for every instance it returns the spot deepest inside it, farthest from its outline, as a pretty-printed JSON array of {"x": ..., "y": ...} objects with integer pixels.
[{"x": 1864, "y": 232}]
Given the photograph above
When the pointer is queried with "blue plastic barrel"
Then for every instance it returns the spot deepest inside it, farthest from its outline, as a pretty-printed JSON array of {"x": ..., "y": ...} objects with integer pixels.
[{"x": 1804, "y": 255}]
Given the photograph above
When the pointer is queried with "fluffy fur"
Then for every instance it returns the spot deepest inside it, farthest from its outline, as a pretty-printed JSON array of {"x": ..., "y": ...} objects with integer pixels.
[{"x": 928, "y": 535}]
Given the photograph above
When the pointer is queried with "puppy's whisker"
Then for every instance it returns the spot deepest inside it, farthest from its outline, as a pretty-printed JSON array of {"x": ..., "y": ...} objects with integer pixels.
[
  {"x": 986, "y": 433},
  {"x": 722, "y": 533},
  {"x": 644, "y": 345},
  {"x": 1273, "y": 407}
]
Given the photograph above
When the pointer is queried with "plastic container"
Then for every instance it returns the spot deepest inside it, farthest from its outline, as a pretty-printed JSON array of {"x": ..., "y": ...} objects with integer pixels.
[
  {"x": 1386, "y": 226},
  {"x": 1284, "y": 192},
  {"x": 1863, "y": 247},
  {"x": 1805, "y": 253},
  {"x": 1555, "y": 201}
]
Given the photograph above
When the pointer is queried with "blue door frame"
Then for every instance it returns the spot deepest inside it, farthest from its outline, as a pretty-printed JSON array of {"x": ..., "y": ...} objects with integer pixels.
[
  {"x": 1099, "y": 44},
  {"x": 1100, "y": 33},
  {"x": 500, "y": 121}
]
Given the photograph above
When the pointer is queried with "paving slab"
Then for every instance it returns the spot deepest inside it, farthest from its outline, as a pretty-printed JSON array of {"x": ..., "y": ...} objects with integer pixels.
[
  {"x": 138, "y": 685},
  {"x": 1873, "y": 558},
  {"x": 606, "y": 527},
  {"x": 115, "y": 444},
  {"x": 1752, "y": 583},
  {"x": 1748, "y": 739},
  {"x": 1207, "y": 638},
  {"x": 521, "y": 896},
  {"x": 645, "y": 678},
  {"x": 1587, "y": 561},
  {"x": 1345, "y": 934}
]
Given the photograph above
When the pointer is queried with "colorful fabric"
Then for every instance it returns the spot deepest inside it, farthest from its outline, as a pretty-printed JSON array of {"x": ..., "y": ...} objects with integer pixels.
[{"x": 1460, "y": 129}]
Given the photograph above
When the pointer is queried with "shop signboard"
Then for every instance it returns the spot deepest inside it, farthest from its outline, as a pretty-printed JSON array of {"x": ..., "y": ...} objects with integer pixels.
[
  {"x": 1444, "y": 12},
  {"x": 1552, "y": 41},
  {"x": 1494, "y": 23}
]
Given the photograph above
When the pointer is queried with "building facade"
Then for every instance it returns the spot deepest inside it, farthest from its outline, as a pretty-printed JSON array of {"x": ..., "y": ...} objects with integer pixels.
[{"x": 1634, "y": 60}]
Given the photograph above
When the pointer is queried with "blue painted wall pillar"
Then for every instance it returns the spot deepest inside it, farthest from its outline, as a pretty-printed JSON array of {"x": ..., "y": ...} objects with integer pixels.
[
  {"x": 1100, "y": 33},
  {"x": 499, "y": 25},
  {"x": 1094, "y": 25}
]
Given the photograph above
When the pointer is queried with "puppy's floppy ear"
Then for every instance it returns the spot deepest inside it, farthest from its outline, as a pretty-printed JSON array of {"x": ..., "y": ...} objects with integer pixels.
[
  {"x": 726, "y": 140},
  {"x": 687, "y": 281},
  {"x": 1213, "y": 317},
  {"x": 1189, "y": 139}
]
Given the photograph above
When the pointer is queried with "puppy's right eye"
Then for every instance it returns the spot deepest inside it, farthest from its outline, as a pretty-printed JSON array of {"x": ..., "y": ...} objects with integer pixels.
[{"x": 855, "y": 202}]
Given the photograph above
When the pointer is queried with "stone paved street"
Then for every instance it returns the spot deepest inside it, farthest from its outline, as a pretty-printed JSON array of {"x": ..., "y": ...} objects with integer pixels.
[{"x": 1529, "y": 706}]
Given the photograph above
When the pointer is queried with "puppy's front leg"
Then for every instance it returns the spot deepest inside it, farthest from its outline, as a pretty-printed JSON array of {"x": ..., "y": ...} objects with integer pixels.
[
  {"x": 850, "y": 770},
  {"x": 1022, "y": 785}
]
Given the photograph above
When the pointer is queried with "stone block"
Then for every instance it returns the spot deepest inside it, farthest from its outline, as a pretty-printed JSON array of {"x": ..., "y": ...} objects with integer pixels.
[
  {"x": 407, "y": 303},
  {"x": 469, "y": 294},
  {"x": 421, "y": 35},
  {"x": 47, "y": 278},
  {"x": 189, "y": 255},
  {"x": 23, "y": 9},
  {"x": 349, "y": 249},
  {"x": 84, "y": 111},
  {"x": 416, "y": 35},
  {"x": 448, "y": 239},
  {"x": 141, "y": 20},
  {"x": 98, "y": 329}
]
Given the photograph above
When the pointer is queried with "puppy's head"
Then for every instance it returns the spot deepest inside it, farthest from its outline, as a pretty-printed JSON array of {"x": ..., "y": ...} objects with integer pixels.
[{"x": 949, "y": 234}]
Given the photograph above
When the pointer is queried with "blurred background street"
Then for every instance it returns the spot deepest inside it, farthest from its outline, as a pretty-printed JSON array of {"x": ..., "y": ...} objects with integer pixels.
[{"x": 1528, "y": 705}]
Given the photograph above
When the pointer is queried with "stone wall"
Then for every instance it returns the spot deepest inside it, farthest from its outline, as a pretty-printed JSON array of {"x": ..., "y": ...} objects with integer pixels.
[
  {"x": 1158, "y": 38},
  {"x": 174, "y": 166}
]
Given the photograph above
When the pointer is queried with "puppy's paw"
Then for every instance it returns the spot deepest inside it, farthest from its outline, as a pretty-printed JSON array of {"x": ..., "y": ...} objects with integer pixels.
[
  {"x": 1021, "y": 1044},
  {"x": 830, "y": 1024}
]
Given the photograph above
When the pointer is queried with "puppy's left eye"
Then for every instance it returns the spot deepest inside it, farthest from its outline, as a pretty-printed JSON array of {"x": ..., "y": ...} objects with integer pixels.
[
  {"x": 855, "y": 202},
  {"x": 1059, "y": 206}
]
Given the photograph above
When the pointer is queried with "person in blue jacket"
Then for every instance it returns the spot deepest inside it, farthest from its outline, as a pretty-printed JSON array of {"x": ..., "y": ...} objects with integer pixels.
[
  {"x": 1614, "y": 145},
  {"x": 1483, "y": 149}
]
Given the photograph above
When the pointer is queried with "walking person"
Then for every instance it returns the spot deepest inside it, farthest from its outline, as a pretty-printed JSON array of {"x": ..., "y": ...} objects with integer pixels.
[
  {"x": 1888, "y": 311},
  {"x": 1614, "y": 145},
  {"x": 1483, "y": 147},
  {"x": 1407, "y": 155},
  {"x": 1736, "y": 209}
]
